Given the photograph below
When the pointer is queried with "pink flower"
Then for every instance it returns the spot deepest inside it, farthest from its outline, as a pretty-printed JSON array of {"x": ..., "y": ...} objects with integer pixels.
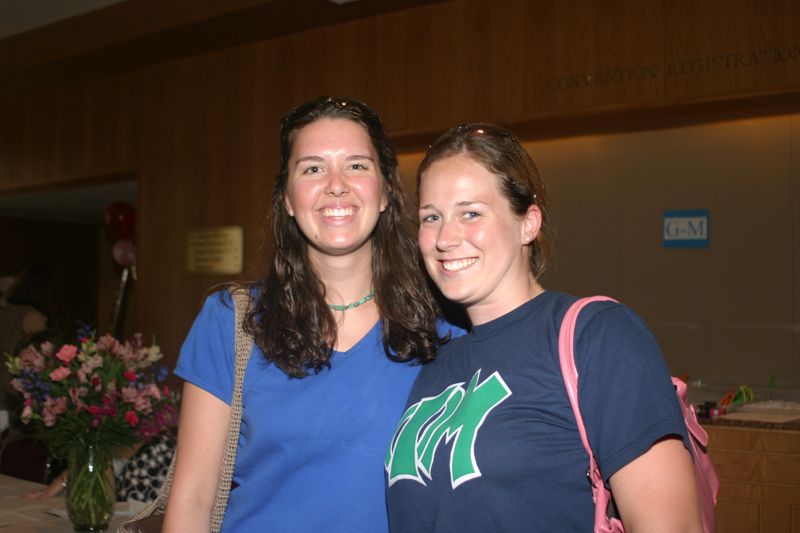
[
  {"x": 52, "y": 408},
  {"x": 153, "y": 391},
  {"x": 83, "y": 373},
  {"x": 124, "y": 352},
  {"x": 47, "y": 348},
  {"x": 95, "y": 361},
  {"x": 30, "y": 358},
  {"x": 17, "y": 385},
  {"x": 60, "y": 373},
  {"x": 131, "y": 418},
  {"x": 143, "y": 404},
  {"x": 137, "y": 340},
  {"x": 107, "y": 343},
  {"x": 67, "y": 353},
  {"x": 27, "y": 412},
  {"x": 130, "y": 376},
  {"x": 96, "y": 383},
  {"x": 110, "y": 403},
  {"x": 75, "y": 394},
  {"x": 129, "y": 394}
]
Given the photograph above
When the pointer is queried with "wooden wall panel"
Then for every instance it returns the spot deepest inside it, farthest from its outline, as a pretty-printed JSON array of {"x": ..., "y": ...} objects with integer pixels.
[
  {"x": 589, "y": 54},
  {"x": 201, "y": 133},
  {"x": 11, "y": 125},
  {"x": 757, "y": 468},
  {"x": 608, "y": 194},
  {"x": 251, "y": 116},
  {"x": 716, "y": 49},
  {"x": 434, "y": 83},
  {"x": 200, "y": 169},
  {"x": 72, "y": 135},
  {"x": 216, "y": 191},
  {"x": 794, "y": 366},
  {"x": 464, "y": 64},
  {"x": 382, "y": 62}
]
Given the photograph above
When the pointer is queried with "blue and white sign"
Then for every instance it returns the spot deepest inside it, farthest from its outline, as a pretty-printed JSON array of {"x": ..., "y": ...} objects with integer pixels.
[{"x": 686, "y": 229}]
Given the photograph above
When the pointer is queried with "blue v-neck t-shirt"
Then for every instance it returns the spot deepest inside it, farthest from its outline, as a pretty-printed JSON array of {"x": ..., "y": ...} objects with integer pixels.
[{"x": 310, "y": 455}]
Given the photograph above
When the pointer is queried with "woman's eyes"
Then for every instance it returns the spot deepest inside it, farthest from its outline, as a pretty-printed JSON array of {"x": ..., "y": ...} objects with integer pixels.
[
  {"x": 467, "y": 215},
  {"x": 316, "y": 169}
]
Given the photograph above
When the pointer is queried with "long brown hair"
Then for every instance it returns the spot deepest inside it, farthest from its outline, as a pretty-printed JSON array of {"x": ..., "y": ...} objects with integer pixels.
[
  {"x": 501, "y": 153},
  {"x": 290, "y": 320}
]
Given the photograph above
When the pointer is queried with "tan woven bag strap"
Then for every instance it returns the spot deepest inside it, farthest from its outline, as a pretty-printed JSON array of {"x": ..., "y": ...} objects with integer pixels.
[{"x": 244, "y": 347}]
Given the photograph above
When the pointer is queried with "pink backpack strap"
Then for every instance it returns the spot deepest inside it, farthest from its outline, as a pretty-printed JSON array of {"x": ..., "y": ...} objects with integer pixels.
[
  {"x": 705, "y": 474},
  {"x": 566, "y": 344}
]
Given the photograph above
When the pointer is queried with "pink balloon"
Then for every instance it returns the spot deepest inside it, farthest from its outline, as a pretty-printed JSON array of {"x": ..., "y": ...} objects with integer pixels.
[
  {"x": 124, "y": 252},
  {"x": 121, "y": 221}
]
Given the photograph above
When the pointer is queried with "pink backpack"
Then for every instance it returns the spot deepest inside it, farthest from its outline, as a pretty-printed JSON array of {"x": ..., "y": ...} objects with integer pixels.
[{"x": 707, "y": 481}]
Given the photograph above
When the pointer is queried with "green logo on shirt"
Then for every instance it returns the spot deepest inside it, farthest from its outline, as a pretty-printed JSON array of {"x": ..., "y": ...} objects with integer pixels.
[{"x": 455, "y": 415}]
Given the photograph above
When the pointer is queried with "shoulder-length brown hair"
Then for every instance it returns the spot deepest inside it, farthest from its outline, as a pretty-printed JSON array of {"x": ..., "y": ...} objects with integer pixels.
[{"x": 290, "y": 320}]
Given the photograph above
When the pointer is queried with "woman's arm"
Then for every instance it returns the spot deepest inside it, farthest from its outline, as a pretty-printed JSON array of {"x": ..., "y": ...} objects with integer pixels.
[
  {"x": 657, "y": 491},
  {"x": 56, "y": 486},
  {"x": 202, "y": 434}
]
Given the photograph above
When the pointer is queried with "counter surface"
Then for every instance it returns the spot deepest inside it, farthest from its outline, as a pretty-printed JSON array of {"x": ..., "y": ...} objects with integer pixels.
[{"x": 46, "y": 515}]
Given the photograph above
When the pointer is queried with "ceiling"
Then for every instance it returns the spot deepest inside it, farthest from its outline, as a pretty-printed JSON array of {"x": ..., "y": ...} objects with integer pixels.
[{"x": 17, "y": 16}]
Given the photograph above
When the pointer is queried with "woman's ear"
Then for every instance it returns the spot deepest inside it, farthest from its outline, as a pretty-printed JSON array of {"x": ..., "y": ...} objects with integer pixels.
[
  {"x": 531, "y": 224},
  {"x": 387, "y": 188},
  {"x": 288, "y": 205}
]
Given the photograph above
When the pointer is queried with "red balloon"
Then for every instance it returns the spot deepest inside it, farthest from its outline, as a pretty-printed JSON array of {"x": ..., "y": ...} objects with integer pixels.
[
  {"x": 124, "y": 252},
  {"x": 121, "y": 221}
]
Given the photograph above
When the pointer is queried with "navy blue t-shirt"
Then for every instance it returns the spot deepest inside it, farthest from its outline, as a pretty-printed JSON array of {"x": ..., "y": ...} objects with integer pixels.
[{"x": 489, "y": 441}]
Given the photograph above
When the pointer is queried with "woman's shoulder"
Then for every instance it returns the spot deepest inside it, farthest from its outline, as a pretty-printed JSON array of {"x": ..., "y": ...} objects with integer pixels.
[
  {"x": 221, "y": 299},
  {"x": 608, "y": 309},
  {"x": 614, "y": 315}
]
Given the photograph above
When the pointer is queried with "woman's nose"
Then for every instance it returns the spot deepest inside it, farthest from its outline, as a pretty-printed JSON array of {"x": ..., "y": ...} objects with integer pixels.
[
  {"x": 449, "y": 235},
  {"x": 337, "y": 183}
]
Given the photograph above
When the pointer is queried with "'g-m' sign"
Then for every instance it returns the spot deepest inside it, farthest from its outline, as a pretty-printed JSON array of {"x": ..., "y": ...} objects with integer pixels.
[{"x": 686, "y": 229}]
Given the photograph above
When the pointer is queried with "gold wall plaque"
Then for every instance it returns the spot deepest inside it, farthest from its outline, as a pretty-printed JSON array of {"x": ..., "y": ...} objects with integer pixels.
[{"x": 215, "y": 250}]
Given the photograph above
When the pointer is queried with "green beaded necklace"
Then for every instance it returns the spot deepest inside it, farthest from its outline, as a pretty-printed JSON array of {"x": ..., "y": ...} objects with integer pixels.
[{"x": 353, "y": 305}]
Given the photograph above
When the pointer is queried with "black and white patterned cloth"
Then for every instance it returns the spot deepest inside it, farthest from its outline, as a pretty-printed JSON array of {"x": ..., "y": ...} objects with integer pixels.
[{"x": 144, "y": 473}]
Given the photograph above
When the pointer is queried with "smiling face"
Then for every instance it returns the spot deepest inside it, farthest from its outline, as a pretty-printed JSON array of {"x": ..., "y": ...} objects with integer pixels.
[
  {"x": 335, "y": 187},
  {"x": 474, "y": 247}
]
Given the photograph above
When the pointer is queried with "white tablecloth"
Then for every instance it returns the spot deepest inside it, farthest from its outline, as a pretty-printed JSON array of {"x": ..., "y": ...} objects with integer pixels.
[{"x": 22, "y": 515}]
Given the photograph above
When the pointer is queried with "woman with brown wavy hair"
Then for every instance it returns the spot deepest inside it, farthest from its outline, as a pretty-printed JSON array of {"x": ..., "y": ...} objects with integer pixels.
[{"x": 339, "y": 317}]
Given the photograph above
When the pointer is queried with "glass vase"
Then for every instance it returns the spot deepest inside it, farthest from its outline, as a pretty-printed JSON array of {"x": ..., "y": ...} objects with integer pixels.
[{"x": 90, "y": 488}]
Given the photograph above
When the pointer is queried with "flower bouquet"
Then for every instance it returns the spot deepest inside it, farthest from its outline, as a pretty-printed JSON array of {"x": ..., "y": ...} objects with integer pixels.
[{"x": 88, "y": 400}]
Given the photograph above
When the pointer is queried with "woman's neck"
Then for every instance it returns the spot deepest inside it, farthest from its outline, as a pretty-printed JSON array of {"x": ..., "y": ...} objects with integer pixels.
[
  {"x": 346, "y": 278},
  {"x": 500, "y": 305}
]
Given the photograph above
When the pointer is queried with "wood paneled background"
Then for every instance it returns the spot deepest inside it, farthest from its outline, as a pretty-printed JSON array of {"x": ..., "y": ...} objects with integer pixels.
[{"x": 199, "y": 131}]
